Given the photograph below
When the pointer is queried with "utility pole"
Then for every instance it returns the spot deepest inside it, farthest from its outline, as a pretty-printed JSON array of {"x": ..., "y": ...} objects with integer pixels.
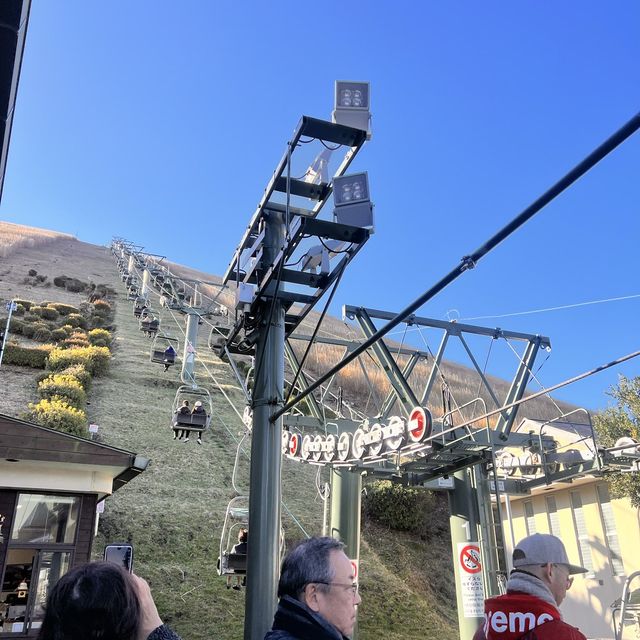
[
  {"x": 11, "y": 307},
  {"x": 263, "y": 561}
]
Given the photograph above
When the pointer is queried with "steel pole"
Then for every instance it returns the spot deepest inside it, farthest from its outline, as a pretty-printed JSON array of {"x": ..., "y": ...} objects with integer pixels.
[
  {"x": 146, "y": 277},
  {"x": 346, "y": 492},
  {"x": 463, "y": 521},
  {"x": 263, "y": 560},
  {"x": 188, "y": 375}
]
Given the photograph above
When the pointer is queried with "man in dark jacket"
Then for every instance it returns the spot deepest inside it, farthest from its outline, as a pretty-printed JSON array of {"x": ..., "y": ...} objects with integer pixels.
[
  {"x": 318, "y": 593},
  {"x": 536, "y": 587}
]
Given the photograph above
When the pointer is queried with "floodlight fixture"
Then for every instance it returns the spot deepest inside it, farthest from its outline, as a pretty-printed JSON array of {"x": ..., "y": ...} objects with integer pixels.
[
  {"x": 352, "y": 105},
  {"x": 352, "y": 201}
]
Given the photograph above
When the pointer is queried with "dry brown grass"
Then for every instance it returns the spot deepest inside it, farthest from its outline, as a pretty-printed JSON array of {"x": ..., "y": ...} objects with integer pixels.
[{"x": 17, "y": 236}]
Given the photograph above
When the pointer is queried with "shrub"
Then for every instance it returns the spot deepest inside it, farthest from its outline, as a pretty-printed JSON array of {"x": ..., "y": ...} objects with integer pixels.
[
  {"x": 27, "y": 304},
  {"x": 42, "y": 334},
  {"x": 58, "y": 334},
  {"x": 67, "y": 328},
  {"x": 60, "y": 415},
  {"x": 94, "y": 359},
  {"x": 100, "y": 337},
  {"x": 65, "y": 386},
  {"x": 76, "y": 339},
  {"x": 76, "y": 320},
  {"x": 398, "y": 507},
  {"x": 74, "y": 285},
  {"x": 62, "y": 309},
  {"x": 40, "y": 278},
  {"x": 102, "y": 306},
  {"x": 32, "y": 273},
  {"x": 60, "y": 281},
  {"x": 29, "y": 329},
  {"x": 19, "y": 310},
  {"x": 16, "y": 326},
  {"x": 21, "y": 356},
  {"x": 80, "y": 374},
  {"x": 45, "y": 312}
]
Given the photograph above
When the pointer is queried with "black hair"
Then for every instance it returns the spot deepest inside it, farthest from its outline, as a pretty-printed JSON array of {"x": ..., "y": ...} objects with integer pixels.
[
  {"x": 306, "y": 563},
  {"x": 93, "y": 601}
]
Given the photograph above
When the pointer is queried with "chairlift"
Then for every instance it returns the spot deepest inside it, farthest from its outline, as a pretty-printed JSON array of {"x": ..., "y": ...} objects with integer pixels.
[
  {"x": 191, "y": 421},
  {"x": 133, "y": 292},
  {"x": 149, "y": 322},
  {"x": 139, "y": 305},
  {"x": 235, "y": 519},
  {"x": 161, "y": 342}
]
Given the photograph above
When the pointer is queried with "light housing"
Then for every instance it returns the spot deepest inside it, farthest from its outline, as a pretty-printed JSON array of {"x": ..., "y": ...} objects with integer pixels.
[
  {"x": 352, "y": 103},
  {"x": 352, "y": 201}
]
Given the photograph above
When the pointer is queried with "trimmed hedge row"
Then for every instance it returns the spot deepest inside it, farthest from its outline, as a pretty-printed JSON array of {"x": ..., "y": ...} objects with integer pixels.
[
  {"x": 56, "y": 413},
  {"x": 94, "y": 359},
  {"x": 21, "y": 356},
  {"x": 64, "y": 386}
]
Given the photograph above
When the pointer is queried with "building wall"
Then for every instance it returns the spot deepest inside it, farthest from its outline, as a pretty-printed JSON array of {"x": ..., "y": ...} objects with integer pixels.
[{"x": 587, "y": 604}]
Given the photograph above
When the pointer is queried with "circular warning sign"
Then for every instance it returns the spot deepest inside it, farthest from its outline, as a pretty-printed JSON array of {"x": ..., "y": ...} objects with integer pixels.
[
  {"x": 419, "y": 425},
  {"x": 470, "y": 559},
  {"x": 294, "y": 444}
]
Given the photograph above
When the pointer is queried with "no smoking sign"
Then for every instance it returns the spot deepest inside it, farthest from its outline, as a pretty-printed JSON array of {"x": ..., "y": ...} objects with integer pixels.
[{"x": 470, "y": 559}]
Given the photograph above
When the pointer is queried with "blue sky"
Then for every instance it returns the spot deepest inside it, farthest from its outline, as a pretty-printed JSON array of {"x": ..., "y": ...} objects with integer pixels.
[{"x": 162, "y": 123}]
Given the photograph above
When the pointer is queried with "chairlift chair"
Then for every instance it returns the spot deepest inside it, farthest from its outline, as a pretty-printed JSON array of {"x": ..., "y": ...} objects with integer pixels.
[
  {"x": 236, "y": 518},
  {"x": 149, "y": 323},
  {"x": 139, "y": 304},
  {"x": 191, "y": 421},
  {"x": 161, "y": 342},
  {"x": 132, "y": 293}
]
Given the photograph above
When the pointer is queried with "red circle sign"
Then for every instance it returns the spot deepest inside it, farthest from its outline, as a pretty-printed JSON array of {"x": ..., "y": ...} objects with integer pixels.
[
  {"x": 417, "y": 423},
  {"x": 470, "y": 559},
  {"x": 294, "y": 442}
]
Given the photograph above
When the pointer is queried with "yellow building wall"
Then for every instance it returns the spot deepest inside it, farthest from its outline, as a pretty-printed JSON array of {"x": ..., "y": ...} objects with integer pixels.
[{"x": 587, "y": 604}]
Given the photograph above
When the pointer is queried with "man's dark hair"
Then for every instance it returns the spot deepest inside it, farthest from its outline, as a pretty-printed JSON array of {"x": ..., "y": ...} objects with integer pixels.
[
  {"x": 93, "y": 601},
  {"x": 307, "y": 562}
]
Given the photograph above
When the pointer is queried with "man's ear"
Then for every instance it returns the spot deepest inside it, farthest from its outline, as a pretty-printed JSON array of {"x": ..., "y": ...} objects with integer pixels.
[{"x": 310, "y": 597}]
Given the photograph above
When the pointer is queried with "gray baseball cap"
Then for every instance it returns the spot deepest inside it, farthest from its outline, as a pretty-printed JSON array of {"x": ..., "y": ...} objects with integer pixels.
[{"x": 542, "y": 548}]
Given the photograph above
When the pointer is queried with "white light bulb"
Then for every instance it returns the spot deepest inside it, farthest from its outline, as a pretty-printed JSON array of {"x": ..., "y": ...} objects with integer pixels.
[
  {"x": 345, "y": 98},
  {"x": 357, "y": 98}
]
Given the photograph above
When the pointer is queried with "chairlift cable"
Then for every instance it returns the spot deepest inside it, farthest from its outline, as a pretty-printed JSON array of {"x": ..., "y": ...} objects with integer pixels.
[
  {"x": 284, "y": 505},
  {"x": 532, "y": 374}
]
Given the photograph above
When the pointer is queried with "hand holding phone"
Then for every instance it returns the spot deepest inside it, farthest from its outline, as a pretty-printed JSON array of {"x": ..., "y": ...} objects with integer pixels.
[{"x": 120, "y": 553}]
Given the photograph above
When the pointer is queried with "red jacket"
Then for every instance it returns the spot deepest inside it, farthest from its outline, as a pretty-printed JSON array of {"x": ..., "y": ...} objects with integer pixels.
[{"x": 520, "y": 616}]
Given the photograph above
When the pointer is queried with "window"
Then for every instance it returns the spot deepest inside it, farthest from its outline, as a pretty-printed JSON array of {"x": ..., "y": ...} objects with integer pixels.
[
  {"x": 581, "y": 529},
  {"x": 45, "y": 519},
  {"x": 610, "y": 532},
  {"x": 552, "y": 516},
  {"x": 530, "y": 520},
  {"x": 39, "y": 552}
]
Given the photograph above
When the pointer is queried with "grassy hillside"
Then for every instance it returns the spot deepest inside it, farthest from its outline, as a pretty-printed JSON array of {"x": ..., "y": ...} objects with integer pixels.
[{"x": 173, "y": 512}]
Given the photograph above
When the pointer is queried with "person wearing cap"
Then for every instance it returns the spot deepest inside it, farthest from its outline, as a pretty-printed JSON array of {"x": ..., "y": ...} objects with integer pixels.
[
  {"x": 537, "y": 585},
  {"x": 198, "y": 409}
]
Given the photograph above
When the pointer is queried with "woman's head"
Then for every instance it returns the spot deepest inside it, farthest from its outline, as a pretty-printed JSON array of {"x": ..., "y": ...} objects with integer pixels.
[
  {"x": 243, "y": 535},
  {"x": 93, "y": 601}
]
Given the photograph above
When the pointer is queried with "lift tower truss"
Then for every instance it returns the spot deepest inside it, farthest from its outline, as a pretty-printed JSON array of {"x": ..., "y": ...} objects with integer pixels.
[{"x": 272, "y": 299}]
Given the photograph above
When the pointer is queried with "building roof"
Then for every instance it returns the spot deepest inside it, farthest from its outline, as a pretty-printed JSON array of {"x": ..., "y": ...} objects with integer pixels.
[
  {"x": 35, "y": 457},
  {"x": 14, "y": 18}
]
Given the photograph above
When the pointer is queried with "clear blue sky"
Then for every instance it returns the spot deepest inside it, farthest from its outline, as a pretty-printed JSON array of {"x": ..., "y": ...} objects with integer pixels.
[{"x": 162, "y": 123}]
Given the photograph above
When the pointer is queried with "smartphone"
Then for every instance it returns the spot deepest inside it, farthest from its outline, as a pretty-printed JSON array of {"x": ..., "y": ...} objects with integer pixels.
[{"x": 120, "y": 553}]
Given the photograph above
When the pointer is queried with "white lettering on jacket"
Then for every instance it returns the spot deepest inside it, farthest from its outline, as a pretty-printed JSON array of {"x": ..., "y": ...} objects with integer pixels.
[{"x": 499, "y": 621}]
